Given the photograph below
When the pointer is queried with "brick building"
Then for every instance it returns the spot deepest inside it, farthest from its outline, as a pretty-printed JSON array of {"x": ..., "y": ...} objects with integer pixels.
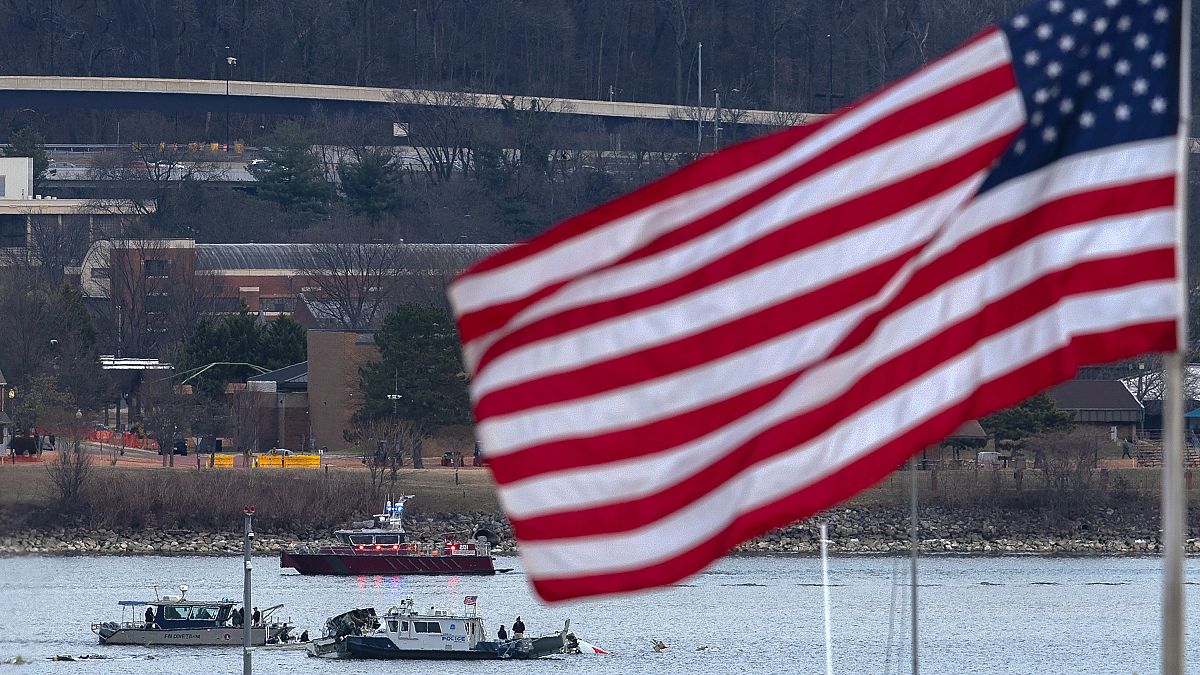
[
  {"x": 268, "y": 278},
  {"x": 283, "y": 413},
  {"x": 334, "y": 360}
]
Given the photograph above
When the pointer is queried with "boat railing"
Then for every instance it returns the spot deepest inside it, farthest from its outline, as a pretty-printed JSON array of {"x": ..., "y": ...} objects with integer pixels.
[{"x": 408, "y": 548}]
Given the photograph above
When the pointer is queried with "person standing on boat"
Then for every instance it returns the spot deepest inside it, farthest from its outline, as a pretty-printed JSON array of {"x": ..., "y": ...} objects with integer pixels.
[
  {"x": 502, "y": 634},
  {"x": 518, "y": 629},
  {"x": 149, "y": 618},
  {"x": 257, "y": 616}
]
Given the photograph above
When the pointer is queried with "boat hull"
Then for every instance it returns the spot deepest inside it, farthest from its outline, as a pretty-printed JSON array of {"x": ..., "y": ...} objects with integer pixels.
[
  {"x": 181, "y": 637},
  {"x": 377, "y": 647},
  {"x": 354, "y": 565}
]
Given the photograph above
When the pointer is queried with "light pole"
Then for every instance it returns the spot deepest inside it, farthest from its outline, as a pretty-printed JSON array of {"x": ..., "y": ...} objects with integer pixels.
[
  {"x": 231, "y": 61},
  {"x": 829, "y": 79}
]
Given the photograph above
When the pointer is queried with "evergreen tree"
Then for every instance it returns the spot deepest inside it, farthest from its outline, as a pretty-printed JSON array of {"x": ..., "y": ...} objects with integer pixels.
[
  {"x": 282, "y": 342},
  {"x": 1035, "y": 415},
  {"x": 25, "y": 142},
  {"x": 373, "y": 185},
  {"x": 74, "y": 355},
  {"x": 421, "y": 362},
  {"x": 293, "y": 175}
]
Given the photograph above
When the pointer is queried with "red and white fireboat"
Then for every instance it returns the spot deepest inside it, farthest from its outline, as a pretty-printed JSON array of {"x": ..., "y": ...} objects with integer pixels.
[{"x": 378, "y": 547}]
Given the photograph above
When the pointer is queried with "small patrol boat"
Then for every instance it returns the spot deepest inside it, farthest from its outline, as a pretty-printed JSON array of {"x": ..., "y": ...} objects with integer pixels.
[
  {"x": 179, "y": 621},
  {"x": 379, "y": 546},
  {"x": 404, "y": 632}
]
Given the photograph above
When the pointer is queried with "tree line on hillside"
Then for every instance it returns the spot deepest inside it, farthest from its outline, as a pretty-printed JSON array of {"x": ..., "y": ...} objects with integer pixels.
[{"x": 765, "y": 53}]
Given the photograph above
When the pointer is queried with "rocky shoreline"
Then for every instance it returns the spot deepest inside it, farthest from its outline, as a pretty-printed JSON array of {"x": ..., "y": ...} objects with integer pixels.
[{"x": 851, "y": 530}]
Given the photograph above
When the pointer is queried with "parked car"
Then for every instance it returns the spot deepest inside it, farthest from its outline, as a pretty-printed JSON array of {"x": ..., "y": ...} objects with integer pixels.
[
  {"x": 178, "y": 447},
  {"x": 23, "y": 445},
  {"x": 280, "y": 451}
]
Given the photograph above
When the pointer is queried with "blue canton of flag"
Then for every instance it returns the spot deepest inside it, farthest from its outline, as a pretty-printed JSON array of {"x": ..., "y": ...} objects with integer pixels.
[{"x": 1092, "y": 74}]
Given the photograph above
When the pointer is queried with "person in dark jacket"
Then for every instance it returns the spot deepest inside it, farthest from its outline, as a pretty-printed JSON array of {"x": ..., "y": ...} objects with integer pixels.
[
  {"x": 502, "y": 634},
  {"x": 518, "y": 629},
  {"x": 149, "y": 618},
  {"x": 257, "y": 616}
]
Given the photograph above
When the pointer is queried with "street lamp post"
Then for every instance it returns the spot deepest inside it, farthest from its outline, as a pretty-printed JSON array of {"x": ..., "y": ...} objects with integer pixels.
[
  {"x": 231, "y": 61},
  {"x": 829, "y": 79}
]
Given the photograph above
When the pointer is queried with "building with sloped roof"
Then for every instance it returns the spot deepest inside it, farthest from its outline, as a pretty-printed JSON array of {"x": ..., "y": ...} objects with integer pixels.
[
  {"x": 157, "y": 276},
  {"x": 1103, "y": 404}
]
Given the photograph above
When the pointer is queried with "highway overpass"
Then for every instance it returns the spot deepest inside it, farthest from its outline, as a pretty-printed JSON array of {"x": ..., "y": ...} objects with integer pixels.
[{"x": 26, "y": 91}]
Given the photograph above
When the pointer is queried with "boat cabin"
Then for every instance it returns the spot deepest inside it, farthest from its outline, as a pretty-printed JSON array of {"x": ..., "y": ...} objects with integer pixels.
[
  {"x": 178, "y": 613},
  {"x": 436, "y": 629}
]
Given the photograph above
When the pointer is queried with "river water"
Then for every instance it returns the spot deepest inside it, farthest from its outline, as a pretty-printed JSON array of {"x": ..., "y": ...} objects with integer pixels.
[{"x": 750, "y": 614}]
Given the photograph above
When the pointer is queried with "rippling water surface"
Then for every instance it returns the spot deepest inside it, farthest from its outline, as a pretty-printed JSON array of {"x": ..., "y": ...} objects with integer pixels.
[{"x": 745, "y": 615}]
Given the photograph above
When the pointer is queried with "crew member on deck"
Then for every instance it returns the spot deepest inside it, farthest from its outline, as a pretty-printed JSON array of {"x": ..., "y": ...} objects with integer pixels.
[
  {"x": 502, "y": 634},
  {"x": 149, "y": 618},
  {"x": 518, "y": 629}
]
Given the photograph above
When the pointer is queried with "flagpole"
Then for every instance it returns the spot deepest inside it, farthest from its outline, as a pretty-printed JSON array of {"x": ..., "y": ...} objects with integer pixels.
[
  {"x": 825, "y": 588},
  {"x": 913, "y": 581},
  {"x": 1174, "y": 498}
]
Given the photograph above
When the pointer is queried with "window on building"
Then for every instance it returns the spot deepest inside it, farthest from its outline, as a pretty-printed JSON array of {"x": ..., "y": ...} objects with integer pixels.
[
  {"x": 12, "y": 231},
  {"x": 277, "y": 304},
  {"x": 157, "y": 268},
  {"x": 227, "y": 304},
  {"x": 158, "y": 302}
]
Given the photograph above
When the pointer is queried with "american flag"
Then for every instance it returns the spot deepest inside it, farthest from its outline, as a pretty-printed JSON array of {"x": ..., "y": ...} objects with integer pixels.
[
  {"x": 776, "y": 327},
  {"x": 470, "y": 599}
]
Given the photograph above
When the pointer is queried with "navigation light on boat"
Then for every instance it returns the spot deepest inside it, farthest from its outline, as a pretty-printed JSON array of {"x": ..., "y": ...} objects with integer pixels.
[
  {"x": 360, "y": 547},
  {"x": 378, "y": 547},
  {"x": 395, "y": 547}
]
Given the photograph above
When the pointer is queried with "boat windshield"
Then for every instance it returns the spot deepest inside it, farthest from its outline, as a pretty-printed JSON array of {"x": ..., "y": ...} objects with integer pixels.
[{"x": 191, "y": 612}]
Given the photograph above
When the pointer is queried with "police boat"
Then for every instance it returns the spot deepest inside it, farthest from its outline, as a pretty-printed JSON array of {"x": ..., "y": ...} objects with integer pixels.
[{"x": 404, "y": 632}]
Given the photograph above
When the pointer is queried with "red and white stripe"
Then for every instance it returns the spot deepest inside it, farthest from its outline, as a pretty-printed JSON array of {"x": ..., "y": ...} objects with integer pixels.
[{"x": 778, "y": 326}]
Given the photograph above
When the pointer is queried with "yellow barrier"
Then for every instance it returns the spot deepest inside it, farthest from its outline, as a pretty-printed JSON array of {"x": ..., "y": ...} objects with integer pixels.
[
  {"x": 288, "y": 461},
  {"x": 223, "y": 461},
  {"x": 303, "y": 461}
]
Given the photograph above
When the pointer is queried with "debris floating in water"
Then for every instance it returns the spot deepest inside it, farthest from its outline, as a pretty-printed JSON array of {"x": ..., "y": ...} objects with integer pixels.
[{"x": 659, "y": 645}]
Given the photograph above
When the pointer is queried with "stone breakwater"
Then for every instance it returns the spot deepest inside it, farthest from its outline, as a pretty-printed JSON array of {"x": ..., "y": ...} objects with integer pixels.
[{"x": 851, "y": 530}]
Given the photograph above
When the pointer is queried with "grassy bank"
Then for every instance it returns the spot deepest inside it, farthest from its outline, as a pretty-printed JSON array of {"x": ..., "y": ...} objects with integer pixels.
[
  {"x": 302, "y": 501},
  {"x": 212, "y": 499}
]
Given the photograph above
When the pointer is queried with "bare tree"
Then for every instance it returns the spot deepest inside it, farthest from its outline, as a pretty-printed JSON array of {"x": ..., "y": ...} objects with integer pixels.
[
  {"x": 444, "y": 124},
  {"x": 354, "y": 282},
  {"x": 155, "y": 294},
  {"x": 244, "y": 421},
  {"x": 168, "y": 412},
  {"x": 71, "y": 470},
  {"x": 144, "y": 175}
]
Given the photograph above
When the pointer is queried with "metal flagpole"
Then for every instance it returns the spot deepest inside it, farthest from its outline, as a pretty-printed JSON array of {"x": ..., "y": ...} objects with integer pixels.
[
  {"x": 699, "y": 96},
  {"x": 825, "y": 587},
  {"x": 913, "y": 582},
  {"x": 247, "y": 615},
  {"x": 1174, "y": 498}
]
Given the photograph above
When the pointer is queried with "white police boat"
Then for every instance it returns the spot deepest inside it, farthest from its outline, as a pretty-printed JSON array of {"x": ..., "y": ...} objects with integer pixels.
[
  {"x": 404, "y": 632},
  {"x": 178, "y": 621}
]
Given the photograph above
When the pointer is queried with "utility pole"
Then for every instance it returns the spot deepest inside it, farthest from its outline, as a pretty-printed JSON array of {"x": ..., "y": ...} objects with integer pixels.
[
  {"x": 231, "y": 62},
  {"x": 247, "y": 616}
]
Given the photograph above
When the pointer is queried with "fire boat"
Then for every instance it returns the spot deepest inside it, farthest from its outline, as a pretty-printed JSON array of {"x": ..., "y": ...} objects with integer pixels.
[{"x": 378, "y": 547}]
